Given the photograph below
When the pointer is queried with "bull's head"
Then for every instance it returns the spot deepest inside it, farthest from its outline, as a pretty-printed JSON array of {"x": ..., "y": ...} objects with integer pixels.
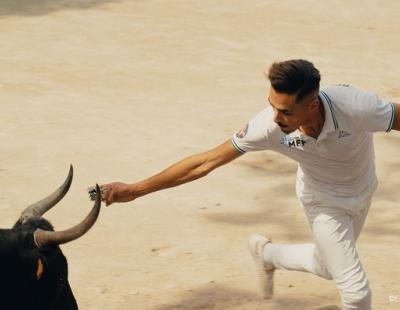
[{"x": 33, "y": 270}]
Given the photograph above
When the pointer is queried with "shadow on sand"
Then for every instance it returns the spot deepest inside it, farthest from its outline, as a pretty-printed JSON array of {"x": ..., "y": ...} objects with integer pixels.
[
  {"x": 278, "y": 208},
  {"x": 42, "y": 7},
  {"x": 218, "y": 297}
]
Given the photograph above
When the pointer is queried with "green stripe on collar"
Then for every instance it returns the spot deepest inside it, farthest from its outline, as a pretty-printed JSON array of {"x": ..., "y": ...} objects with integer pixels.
[{"x": 328, "y": 100}]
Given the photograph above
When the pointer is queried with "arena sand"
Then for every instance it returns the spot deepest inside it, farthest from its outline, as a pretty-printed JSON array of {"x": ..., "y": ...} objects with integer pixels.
[{"x": 121, "y": 89}]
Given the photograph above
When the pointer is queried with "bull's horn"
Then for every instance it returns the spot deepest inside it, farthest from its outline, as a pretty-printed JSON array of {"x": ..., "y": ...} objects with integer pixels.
[
  {"x": 42, "y": 206},
  {"x": 45, "y": 238}
]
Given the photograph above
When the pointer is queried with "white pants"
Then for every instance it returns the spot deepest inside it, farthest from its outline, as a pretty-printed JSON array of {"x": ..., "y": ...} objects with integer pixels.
[{"x": 335, "y": 224}]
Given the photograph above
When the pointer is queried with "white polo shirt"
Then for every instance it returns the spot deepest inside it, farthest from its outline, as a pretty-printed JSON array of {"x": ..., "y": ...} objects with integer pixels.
[{"x": 341, "y": 161}]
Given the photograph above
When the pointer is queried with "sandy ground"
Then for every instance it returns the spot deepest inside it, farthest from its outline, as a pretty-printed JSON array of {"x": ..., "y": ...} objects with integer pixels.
[{"x": 122, "y": 89}]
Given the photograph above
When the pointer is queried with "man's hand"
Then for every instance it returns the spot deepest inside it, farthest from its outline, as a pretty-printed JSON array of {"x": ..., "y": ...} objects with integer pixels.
[{"x": 116, "y": 192}]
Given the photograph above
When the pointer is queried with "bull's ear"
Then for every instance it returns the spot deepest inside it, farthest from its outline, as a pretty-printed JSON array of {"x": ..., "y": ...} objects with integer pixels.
[{"x": 39, "y": 269}]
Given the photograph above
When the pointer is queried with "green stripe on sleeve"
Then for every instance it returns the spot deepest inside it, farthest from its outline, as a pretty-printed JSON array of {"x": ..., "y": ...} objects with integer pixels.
[
  {"x": 237, "y": 147},
  {"x": 393, "y": 106}
]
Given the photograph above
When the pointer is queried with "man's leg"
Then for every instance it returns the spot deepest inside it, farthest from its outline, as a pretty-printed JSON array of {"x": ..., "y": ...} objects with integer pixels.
[
  {"x": 333, "y": 256},
  {"x": 336, "y": 253},
  {"x": 306, "y": 257}
]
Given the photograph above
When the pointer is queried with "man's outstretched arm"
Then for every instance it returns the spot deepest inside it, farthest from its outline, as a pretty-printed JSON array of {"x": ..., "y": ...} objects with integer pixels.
[{"x": 186, "y": 170}]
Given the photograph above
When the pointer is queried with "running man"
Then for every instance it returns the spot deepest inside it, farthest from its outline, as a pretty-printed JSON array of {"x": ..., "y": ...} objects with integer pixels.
[{"x": 329, "y": 132}]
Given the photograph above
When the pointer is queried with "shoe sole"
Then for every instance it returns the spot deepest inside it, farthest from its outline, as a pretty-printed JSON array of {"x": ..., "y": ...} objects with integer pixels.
[{"x": 265, "y": 275}]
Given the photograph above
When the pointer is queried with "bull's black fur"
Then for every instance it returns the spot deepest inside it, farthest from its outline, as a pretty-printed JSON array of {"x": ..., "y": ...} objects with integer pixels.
[{"x": 19, "y": 256}]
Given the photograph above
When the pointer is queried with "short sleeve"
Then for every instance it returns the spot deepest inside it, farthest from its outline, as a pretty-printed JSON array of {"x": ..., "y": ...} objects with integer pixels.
[
  {"x": 375, "y": 113},
  {"x": 254, "y": 135},
  {"x": 367, "y": 111}
]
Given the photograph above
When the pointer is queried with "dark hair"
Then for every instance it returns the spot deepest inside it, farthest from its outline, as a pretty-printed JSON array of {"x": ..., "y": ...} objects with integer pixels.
[{"x": 296, "y": 76}]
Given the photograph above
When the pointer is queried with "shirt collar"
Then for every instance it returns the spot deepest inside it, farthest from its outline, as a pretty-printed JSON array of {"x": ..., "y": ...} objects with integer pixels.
[{"x": 330, "y": 123}]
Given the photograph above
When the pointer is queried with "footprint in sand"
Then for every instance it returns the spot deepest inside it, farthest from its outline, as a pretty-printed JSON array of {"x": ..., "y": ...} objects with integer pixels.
[{"x": 169, "y": 251}]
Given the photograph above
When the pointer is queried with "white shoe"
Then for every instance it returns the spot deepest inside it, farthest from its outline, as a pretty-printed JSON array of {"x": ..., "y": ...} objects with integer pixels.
[{"x": 264, "y": 271}]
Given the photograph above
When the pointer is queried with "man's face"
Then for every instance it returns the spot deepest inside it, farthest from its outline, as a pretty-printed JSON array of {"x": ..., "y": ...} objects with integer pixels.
[{"x": 288, "y": 114}]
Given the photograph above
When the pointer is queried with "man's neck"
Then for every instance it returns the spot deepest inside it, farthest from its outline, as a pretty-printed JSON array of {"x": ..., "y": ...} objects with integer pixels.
[{"x": 317, "y": 120}]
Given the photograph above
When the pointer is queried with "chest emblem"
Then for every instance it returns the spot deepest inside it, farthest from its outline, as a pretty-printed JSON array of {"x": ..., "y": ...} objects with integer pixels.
[
  {"x": 343, "y": 134},
  {"x": 290, "y": 141}
]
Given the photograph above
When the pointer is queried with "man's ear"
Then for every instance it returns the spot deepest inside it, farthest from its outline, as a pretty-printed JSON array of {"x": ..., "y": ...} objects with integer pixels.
[{"x": 314, "y": 105}]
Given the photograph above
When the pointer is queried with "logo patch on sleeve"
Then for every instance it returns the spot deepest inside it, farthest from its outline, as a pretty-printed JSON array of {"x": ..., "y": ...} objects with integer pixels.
[{"x": 242, "y": 132}]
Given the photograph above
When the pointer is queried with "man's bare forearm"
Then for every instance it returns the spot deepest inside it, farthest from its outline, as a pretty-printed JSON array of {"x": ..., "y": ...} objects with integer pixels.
[{"x": 186, "y": 170}]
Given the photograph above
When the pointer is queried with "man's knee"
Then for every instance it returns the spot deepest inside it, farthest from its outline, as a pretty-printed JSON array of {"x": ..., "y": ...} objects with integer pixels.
[
  {"x": 322, "y": 271},
  {"x": 320, "y": 268}
]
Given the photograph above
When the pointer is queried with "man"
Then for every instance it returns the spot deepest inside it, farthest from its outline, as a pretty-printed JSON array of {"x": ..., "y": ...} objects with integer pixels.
[{"x": 329, "y": 133}]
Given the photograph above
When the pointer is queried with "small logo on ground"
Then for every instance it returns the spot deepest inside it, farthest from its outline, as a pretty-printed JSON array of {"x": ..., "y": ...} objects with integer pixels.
[
  {"x": 394, "y": 298},
  {"x": 242, "y": 132}
]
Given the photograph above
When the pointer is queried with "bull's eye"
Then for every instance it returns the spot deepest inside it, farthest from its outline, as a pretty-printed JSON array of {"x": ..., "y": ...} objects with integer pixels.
[{"x": 39, "y": 269}]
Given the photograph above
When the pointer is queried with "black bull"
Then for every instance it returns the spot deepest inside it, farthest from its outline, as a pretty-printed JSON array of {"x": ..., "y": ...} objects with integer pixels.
[{"x": 33, "y": 269}]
